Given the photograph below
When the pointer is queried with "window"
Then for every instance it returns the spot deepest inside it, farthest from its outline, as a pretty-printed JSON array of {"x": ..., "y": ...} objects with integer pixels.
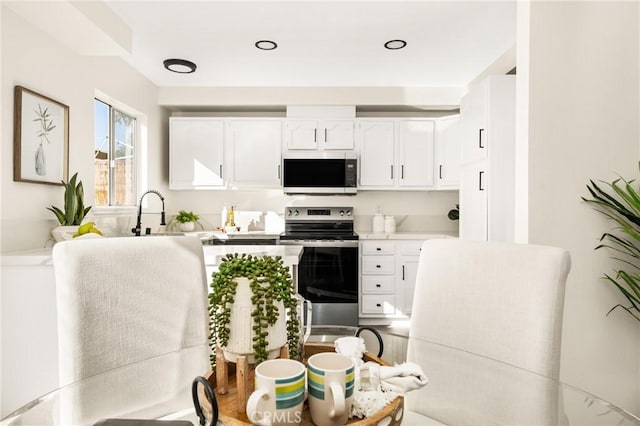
[{"x": 114, "y": 156}]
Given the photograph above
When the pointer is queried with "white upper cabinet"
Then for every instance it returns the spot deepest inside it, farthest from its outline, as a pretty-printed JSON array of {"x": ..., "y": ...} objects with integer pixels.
[
  {"x": 376, "y": 141},
  {"x": 254, "y": 148},
  {"x": 448, "y": 139},
  {"x": 487, "y": 188},
  {"x": 319, "y": 134},
  {"x": 474, "y": 125},
  {"x": 416, "y": 153},
  {"x": 396, "y": 154},
  {"x": 196, "y": 152}
]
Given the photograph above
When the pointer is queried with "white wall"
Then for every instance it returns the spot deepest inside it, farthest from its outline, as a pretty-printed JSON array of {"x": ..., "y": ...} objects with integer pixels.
[
  {"x": 584, "y": 123},
  {"x": 31, "y": 59}
]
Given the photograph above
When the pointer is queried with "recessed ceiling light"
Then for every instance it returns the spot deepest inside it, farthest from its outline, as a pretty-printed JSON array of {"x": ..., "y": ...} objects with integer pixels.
[
  {"x": 181, "y": 66},
  {"x": 395, "y": 44},
  {"x": 266, "y": 44}
]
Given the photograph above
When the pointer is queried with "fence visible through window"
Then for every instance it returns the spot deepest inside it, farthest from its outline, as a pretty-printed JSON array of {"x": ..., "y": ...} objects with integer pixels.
[{"x": 114, "y": 156}]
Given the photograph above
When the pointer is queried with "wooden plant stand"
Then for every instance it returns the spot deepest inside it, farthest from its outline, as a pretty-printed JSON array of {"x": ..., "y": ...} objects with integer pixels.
[{"x": 244, "y": 387}]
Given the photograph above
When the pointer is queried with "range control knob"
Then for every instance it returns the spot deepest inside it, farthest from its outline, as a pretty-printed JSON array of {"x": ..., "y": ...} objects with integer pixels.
[
  {"x": 296, "y": 212},
  {"x": 341, "y": 212},
  {"x": 348, "y": 212}
]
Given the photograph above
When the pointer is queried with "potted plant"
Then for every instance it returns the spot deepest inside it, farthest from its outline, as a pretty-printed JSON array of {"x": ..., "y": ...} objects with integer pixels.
[
  {"x": 253, "y": 293},
  {"x": 74, "y": 210},
  {"x": 187, "y": 220},
  {"x": 621, "y": 203}
]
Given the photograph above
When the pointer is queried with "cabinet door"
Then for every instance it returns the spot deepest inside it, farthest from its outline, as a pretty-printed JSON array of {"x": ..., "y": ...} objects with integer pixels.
[
  {"x": 336, "y": 134},
  {"x": 377, "y": 265},
  {"x": 301, "y": 134},
  {"x": 383, "y": 304},
  {"x": 255, "y": 151},
  {"x": 376, "y": 144},
  {"x": 474, "y": 125},
  {"x": 406, "y": 283},
  {"x": 196, "y": 153},
  {"x": 473, "y": 201},
  {"x": 416, "y": 153},
  {"x": 378, "y": 284},
  {"x": 448, "y": 138}
]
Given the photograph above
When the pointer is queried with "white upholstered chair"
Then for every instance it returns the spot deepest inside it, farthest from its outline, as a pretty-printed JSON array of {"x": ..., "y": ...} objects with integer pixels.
[
  {"x": 502, "y": 301},
  {"x": 124, "y": 300}
]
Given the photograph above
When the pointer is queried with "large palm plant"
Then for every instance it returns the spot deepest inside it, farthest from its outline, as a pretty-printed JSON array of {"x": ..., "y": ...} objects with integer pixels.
[{"x": 620, "y": 202}]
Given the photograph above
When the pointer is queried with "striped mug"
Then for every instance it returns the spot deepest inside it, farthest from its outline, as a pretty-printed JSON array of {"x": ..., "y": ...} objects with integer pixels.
[
  {"x": 330, "y": 382},
  {"x": 279, "y": 393}
]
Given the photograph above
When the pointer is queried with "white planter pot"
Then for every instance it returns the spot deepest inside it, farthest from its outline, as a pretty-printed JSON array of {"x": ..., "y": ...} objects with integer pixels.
[
  {"x": 187, "y": 226},
  {"x": 241, "y": 327},
  {"x": 61, "y": 233}
]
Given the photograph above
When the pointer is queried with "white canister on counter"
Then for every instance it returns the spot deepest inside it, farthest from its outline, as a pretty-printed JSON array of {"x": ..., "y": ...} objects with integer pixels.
[
  {"x": 378, "y": 223},
  {"x": 389, "y": 224},
  {"x": 223, "y": 216}
]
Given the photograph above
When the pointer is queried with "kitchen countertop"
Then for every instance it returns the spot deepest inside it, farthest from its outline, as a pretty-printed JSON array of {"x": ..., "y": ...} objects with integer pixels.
[
  {"x": 35, "y": 257},
  {"x": 404, "y": 235},
  {"x": 245, "y": 235},
  {"x": 290, "y": 254}
]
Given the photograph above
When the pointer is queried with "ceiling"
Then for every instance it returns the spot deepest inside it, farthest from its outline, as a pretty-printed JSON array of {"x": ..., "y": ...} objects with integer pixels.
[{"x": 320, "y": 43}]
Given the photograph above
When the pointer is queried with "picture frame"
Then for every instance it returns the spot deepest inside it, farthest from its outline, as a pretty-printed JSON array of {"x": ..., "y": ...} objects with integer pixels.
[{"x": 40, "y": 138}]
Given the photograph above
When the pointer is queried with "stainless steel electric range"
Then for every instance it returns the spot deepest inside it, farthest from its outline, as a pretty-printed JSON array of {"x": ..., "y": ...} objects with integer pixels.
[{"x": 328, "y": 269}]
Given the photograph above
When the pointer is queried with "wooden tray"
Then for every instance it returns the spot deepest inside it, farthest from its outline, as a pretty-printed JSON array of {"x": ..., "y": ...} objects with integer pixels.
[{"x": 228, "y": 415}]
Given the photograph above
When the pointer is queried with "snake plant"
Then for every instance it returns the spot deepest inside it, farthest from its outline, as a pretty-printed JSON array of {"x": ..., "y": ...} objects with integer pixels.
[
  {"x": 74, "y": 209},
  {"x": 620, "y": 202}
]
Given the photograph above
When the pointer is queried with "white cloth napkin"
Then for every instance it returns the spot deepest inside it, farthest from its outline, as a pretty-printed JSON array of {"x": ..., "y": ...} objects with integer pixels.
[
  {"x": 399, "y": 378},
  {"x": 377, "y": 385}
]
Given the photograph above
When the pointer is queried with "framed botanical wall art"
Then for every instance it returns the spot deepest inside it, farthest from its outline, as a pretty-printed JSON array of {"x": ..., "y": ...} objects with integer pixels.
[{"x": 40, "y": 138}]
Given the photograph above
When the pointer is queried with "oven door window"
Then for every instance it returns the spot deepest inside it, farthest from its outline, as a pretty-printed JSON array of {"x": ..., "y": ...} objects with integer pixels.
[{"x": 329, "y": 274}]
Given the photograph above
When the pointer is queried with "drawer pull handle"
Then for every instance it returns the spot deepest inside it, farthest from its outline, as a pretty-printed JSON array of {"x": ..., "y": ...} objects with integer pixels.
[
  {"x": 378, "y": 285},
  {"x": 378, "y": 305},
  {"x": 378, "y": 248},
  {"x": 378, "y": 266}
]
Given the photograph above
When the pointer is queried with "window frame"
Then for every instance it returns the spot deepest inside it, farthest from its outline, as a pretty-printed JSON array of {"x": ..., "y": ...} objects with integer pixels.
[{"x": 139, "y": 155}]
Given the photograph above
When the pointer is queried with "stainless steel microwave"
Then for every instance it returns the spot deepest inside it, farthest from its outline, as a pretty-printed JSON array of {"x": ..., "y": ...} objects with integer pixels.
[{"x": 319, "y": 173}]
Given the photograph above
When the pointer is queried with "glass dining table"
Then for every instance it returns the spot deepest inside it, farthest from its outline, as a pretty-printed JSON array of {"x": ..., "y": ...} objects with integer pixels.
[{"x": 463, "y": 388}]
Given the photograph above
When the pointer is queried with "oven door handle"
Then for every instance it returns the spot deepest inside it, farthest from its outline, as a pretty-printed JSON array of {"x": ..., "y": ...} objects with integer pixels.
[{"x": 319, "y": 243}]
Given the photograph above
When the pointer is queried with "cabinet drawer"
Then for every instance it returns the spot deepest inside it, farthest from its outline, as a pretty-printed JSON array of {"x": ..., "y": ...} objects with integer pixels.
[
  {"x": 410, "y": 248},
  {"x": 383, "y": 304},
  {"x": 378, "y": 247},
  {"x": 378, "y": 284},
  {"x": 378, "y": 265}
]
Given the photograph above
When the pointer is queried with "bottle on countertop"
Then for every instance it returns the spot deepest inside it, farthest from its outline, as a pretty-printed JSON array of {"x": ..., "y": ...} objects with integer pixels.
[
  {"x": 378, "y": 222},
  {"x": 231, "y": 219},
  {"x": 224, "y": 216}
]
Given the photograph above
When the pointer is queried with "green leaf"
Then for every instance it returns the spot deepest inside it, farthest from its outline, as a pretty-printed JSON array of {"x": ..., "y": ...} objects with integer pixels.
[{"x": 59, "y": 215}]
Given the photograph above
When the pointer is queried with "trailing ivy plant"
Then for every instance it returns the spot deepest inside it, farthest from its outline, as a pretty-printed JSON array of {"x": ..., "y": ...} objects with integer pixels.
[
  {"x": 620, "y": 202},
  {"x": 270, "y": 282}
]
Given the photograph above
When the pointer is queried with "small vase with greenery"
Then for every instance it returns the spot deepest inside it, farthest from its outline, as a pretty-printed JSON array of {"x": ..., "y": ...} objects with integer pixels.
[
  {"x": 271, "y": 286},
  {"x": 620, "y": 202},
  {"x": 74, "y": 209},
  {"x": 187, "y": 220}
]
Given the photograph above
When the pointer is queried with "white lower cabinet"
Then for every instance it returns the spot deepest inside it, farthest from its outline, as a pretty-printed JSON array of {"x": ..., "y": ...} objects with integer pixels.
[
  {"x": 29, "y": 361},
  {"x": 378, "y": 304},
  {"x": 388, "y": 279}
]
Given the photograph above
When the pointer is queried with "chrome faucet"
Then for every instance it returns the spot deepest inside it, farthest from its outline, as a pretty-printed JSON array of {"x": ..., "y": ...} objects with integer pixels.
[{"x": 138, "y": 227}]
